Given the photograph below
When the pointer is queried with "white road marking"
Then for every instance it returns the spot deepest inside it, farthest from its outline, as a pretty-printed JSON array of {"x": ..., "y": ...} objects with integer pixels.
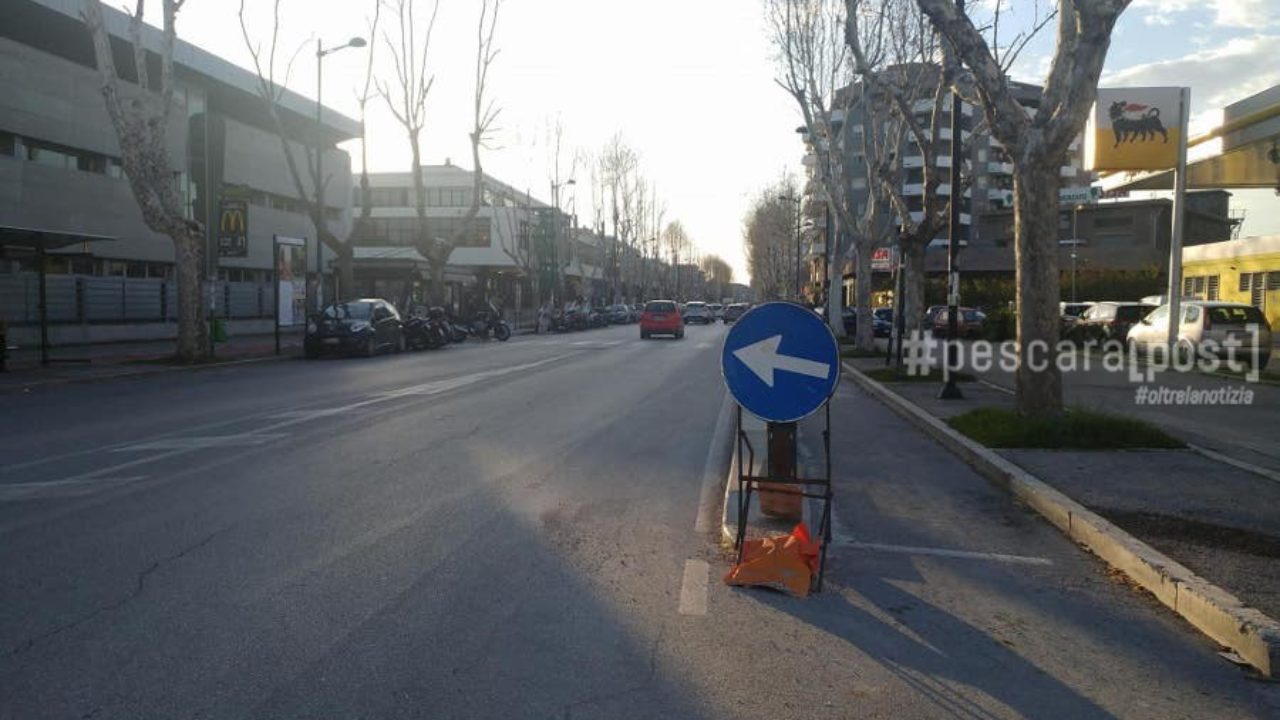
[
  {"x": 199, "y": 443},
  {"x": 944, "y": 552},
  {"x": 693, "y": 587},
  {"x": 712, "y": 473},
  {"x": 173, "y": 445},
  {"x": 10, "y": 492},
  {"x": 993, "y": 386},
  {"x": 1228, "y": 460},
  {"x": 703, "y": 345}
]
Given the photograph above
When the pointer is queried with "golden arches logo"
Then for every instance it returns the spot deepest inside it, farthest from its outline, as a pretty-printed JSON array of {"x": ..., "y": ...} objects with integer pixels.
[{"x": 232, "y": 221}]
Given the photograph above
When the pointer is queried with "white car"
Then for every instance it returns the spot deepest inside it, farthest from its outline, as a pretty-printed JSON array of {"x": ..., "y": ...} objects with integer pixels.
[
  {"x": 717, "y": 311},
  {"x": 1207, "y": 326},
  {"x": 696, "y": 312}
]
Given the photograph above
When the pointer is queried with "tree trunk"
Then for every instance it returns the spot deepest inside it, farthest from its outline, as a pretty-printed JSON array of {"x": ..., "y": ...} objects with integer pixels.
[
  {"x": 193, "y": 330},
  {"x": 912, "y": 286},
  {"x": 865, "y": 337},
  {"x": 1035, "y": 210},
  {"x": 835, "y": 279}
]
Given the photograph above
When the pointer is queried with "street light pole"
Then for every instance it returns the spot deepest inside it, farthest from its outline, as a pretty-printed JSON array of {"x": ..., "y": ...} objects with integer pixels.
[
  {"x": 320, "y": 206},
  {"x": 1075, "y": 244},
  {"x": 950, "y": 390}
]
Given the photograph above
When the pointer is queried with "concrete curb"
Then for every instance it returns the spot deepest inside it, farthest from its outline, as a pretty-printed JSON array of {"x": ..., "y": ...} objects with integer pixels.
[{"x": 1253, "y": 636}]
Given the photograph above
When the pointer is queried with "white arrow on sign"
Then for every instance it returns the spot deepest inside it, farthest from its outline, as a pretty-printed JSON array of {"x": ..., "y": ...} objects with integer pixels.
[{"x": 763, "y": 359}]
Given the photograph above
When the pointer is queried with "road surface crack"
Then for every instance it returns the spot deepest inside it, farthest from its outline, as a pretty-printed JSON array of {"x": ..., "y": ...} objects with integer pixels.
[{"x": 134, "y": 593}]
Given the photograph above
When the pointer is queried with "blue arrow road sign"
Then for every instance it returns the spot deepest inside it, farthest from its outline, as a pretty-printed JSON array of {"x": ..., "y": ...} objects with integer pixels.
[{"x": 780, "y": 362}]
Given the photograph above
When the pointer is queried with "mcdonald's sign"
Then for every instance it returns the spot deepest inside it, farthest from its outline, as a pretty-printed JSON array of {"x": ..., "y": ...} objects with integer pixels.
[{"x": 233, "y": 228}]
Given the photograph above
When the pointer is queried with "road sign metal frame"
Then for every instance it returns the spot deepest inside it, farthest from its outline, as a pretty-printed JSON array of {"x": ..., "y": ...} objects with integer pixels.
[{"x": 749, "y": 482}]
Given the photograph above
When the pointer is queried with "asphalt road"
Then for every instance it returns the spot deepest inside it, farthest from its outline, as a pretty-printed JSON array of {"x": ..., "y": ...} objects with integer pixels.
[{"x": 512, "y": 530}]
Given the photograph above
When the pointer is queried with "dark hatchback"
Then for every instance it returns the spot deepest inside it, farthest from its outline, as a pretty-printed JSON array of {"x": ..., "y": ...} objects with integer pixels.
[{"x": 365, "y": 327}]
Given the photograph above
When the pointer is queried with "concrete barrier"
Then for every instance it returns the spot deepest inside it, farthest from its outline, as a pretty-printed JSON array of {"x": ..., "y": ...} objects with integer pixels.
[{"x": 1252, "y": 635}]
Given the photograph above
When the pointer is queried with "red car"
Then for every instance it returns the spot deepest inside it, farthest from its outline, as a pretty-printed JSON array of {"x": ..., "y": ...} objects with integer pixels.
[{"x": 661, "y": 317}]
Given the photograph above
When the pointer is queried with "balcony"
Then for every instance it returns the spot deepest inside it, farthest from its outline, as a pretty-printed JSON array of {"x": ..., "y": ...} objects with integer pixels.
[
  {"x": 1000, "y": 168},
  {"x": 926, "y": 106},
  {"x": 1067, "y": 171},
  {"x": 918, "y": 215},
  {"x": 917, "y": 189},
  {"x": 911, "y": 162}
]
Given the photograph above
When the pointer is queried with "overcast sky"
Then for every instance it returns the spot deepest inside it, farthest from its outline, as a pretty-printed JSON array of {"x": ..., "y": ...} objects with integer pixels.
[{"x": 689, "y": 85}]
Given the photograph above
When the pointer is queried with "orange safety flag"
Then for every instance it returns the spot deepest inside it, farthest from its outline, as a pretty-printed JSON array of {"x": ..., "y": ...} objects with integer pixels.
[{"x": 781, "y": 562}]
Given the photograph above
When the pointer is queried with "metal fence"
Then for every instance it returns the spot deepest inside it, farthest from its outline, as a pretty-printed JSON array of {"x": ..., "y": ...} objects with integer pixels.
[{"x": 88, "y": 299}]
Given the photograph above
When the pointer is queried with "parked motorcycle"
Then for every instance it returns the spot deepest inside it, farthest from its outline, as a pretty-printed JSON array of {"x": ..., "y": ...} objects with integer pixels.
[
  {"x": 427, "y": 332},
  {"x": 490, "y": 321}
]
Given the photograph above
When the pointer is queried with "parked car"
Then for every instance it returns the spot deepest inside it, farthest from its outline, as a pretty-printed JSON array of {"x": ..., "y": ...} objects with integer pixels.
[
  {"x": 619, "y": 314},
  {"x": 717, "y": 311},
  {"x": 366, "y": 326},
  {"x": 1207, "y": 325},
  {"x": 1070, "y": 313},
  {"x": 733, "y": 311},
  {"x": 884, "y": 321},
  {"x": 879, "y": 326},
  {"x": 661, "y": 317},
  {"x": 931, "y": 314},
  {"x": 1112, "y": 320},
  {"x": 969, "y": 322},
  {"x": 697, "y": 312}
]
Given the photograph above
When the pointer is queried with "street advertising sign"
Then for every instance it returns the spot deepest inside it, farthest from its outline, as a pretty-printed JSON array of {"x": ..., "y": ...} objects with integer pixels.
[
  {"x": 780, "y": 362},
  {"x": 233, "y": 228},
  {"x": 1135, "y": 129},
  {"x": 291, "y": 281},
  {"x": 1078, "y": 195},
  {"x": 883, "y": 259}
]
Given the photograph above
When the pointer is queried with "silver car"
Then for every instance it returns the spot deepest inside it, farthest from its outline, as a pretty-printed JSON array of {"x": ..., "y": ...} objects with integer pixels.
[{"x": 1208, "y": 327}]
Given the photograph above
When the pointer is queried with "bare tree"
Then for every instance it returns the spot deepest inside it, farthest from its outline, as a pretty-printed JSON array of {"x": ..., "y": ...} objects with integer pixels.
[
  {"x": 141, "y": 120},
  {"x": 407, "y": 101},
  {"x": 903, "y": 91},
  {"x": 767, "y": 235},
  {"x": 719, "y": 274},
  {"x": 270, "y": 91},
  {"x": 1038, "y": 145},
  {"x": 808, "y": 37},
  {"x": 362, "y": 229}
]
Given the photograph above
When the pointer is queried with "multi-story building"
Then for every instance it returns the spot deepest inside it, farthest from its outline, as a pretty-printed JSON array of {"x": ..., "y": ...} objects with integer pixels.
[
  {"x": 987, "y": 172},
  {"x": 60, "y": 172},
  {"x": 510, "y": 237}
]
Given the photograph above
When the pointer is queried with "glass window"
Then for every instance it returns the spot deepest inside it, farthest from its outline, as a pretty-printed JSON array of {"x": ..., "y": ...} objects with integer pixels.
[
  {"x": 1159, "y": 315},
  {"x": 1191, "y": 314},
  {"x": 1212, "y": 291},
  {"x": 8, "y": 144},
  {"x": 1231, "y": 315},
  {"x": 46, "y": 155},
  {"x": 349, "y": 311}
]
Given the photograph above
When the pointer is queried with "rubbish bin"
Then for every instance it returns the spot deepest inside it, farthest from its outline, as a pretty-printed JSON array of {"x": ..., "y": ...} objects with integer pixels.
[{"x": 217, "y": 330}]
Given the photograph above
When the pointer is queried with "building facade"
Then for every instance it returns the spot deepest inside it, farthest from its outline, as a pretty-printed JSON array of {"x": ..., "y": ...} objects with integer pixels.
[{"x": 60, "y": 171}]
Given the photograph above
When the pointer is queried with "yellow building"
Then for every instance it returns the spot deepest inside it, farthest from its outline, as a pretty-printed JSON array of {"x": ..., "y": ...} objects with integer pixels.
[{"x": 1245, "y": 271}]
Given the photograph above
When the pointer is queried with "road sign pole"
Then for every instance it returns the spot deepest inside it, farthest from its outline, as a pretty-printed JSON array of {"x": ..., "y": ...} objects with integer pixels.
[{"x": 781, "y": 500}]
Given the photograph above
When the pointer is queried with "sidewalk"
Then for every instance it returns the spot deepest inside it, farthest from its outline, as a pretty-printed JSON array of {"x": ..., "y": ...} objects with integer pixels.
[
  {"x": 86, "y": 363},
  {"x": 1218, "y": 520}
]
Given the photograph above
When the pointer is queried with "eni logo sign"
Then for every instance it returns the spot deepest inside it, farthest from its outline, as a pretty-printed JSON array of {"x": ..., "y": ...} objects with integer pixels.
[
  {"x": 233, "y": 228},
  {"x": 1135, "y": 129}
]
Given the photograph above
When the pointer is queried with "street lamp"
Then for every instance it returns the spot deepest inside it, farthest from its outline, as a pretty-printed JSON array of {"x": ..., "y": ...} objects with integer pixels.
[
  {"x": 321, "y": 52},
  {"x": 796, "y": 276},
  {"x": 950, "y": 390},
  {"x": 1075, "y": 244}
]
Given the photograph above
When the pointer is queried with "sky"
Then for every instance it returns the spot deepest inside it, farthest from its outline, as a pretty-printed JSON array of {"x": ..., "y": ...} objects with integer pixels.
[{"x": 689, "y": 85}]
